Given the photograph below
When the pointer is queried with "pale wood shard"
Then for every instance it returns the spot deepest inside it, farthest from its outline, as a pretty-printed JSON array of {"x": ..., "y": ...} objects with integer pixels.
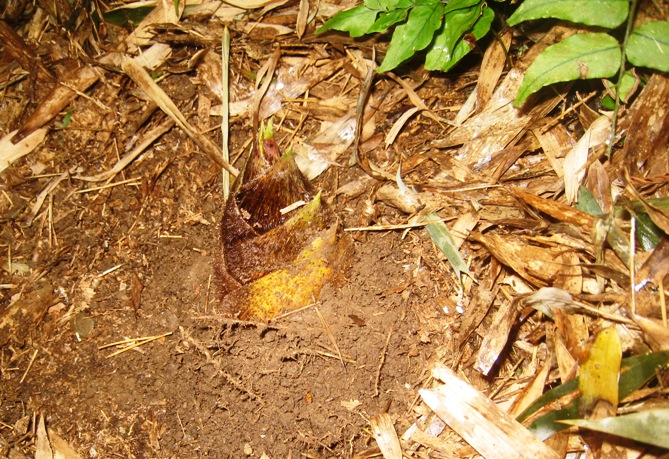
[
  {"x": 10, "y": 152},
  {"x": 496, "y": 337},
  {"x": 491, "y": 431},
  {"x": 385, "y": 436}
]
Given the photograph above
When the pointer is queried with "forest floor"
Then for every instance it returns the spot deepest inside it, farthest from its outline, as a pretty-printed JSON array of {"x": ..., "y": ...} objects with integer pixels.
[{"x": 112, "y": 330}]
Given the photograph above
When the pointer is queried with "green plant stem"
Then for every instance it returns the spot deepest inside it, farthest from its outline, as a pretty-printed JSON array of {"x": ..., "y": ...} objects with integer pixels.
[{"x": 628, "y": 30}]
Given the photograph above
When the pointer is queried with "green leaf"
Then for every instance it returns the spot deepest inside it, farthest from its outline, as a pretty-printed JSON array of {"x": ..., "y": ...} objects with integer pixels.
[
  {"x": 628, "y": 85},
  {"x": 127, "y": 16},
  {"x": 602, "y": 13},
  {"x": 587, "y": 202},
  {"x": 438, "y": 58},
  {"x": 594, "y": 55},
  {"x": 647, "y": 233},
  {"x": 355, "y": 21},
  {"x": 456, "y": 24},
  {"x": 636, "y": 371},
  {"x": 414, "y": 35},
  {"x": 461, "y": 4},
  {"x": 388, "y": 5},
  {"x": 386, "y": 20},
  {"x": 650, "y": 426},
  {"x": 648, "y": 46},
  {"x": 442, "y": 238}
]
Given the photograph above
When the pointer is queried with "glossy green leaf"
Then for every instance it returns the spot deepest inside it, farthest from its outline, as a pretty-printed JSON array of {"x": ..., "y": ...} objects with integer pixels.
[
  {"x": 636, "y": 371},
  {"x": 602, "y": 13},
  {"x": 355, "y": 21},
  {"x": 442, "y": 238},
  {"x": 647, "y": 233},
  {"x": 461, "y": 4},
  {"x": 387, "y": 20},
  {"x": 388, "y": 5},
  {"x": 650, "y": 426},
  {"x": 437, "y": 59},
  {"x": 456, "y": 24},
  {"x": 648, "y": 46},
  {"x": 414, "y": 35},
  {"x": 594, "y": 55}
]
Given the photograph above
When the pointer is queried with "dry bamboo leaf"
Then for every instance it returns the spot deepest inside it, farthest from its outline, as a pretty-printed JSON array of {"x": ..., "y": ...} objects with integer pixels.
[
  {"x": 290, "y": 83},
  {"x": 467, "y": 108},
  {"x": 556, "y": 210},
  {"x": 650, "y": 127},
  {"x": 266, "y": 31},
  {"x": 315, "y": 155},
  {"x": 416, "y": 100},
  {"x": 496, "y": 337},
  {"x": 656, "y": 266},
  {"x": 555, "y": 142},
  {"x": 399, "y": 124},
  {"x": 492, "y": 432},
  {"x": 566, "y": 363},
  {"x": 144, "y": 143},
  {"x": 80, "y": 80},
  {"x": 577, "y": 158},
  {"x": 573, "y": 329},
  {"x": 385, "y": 436},
  {"x": 146, "y": 83},
  {"x": 480, "y": 304},
  {"x": 599, "y": 185},
  {"x": 531, "y": 391},
  {"x": 492, "y": 65},
  {"x": 164, "y": 12},
  {"x": 407, "y": 202},
  {"x": 254, "y": 4},
  {"x": 499, "y": 123},
  {"x": 461, "y": 228},
  {"x": 657, "y": 335},
  {"x": 537, "y": 265},
  {"x": 302, "y": 18},
  {"x": 25, "y": 56},
  {"x": 10, "y": 152}
]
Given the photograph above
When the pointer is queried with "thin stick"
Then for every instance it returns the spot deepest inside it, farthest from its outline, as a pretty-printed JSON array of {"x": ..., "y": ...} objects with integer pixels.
[
  {"x": 225, "y": 123},
  {"x": 132, "y": 181},
  {"x": 663, "y": 304},
  {"x": 134, "y": 343},
  {"x": 632, "y": 270},
  {"x": 30, "y": 364},
  {"x": 631, "y": 16},
  {"x": 395, "y": 227},
  {"x": 382, "y": 361},
  {"x": 294, "y": 311},
  {"x": 331, "y": 336}
]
